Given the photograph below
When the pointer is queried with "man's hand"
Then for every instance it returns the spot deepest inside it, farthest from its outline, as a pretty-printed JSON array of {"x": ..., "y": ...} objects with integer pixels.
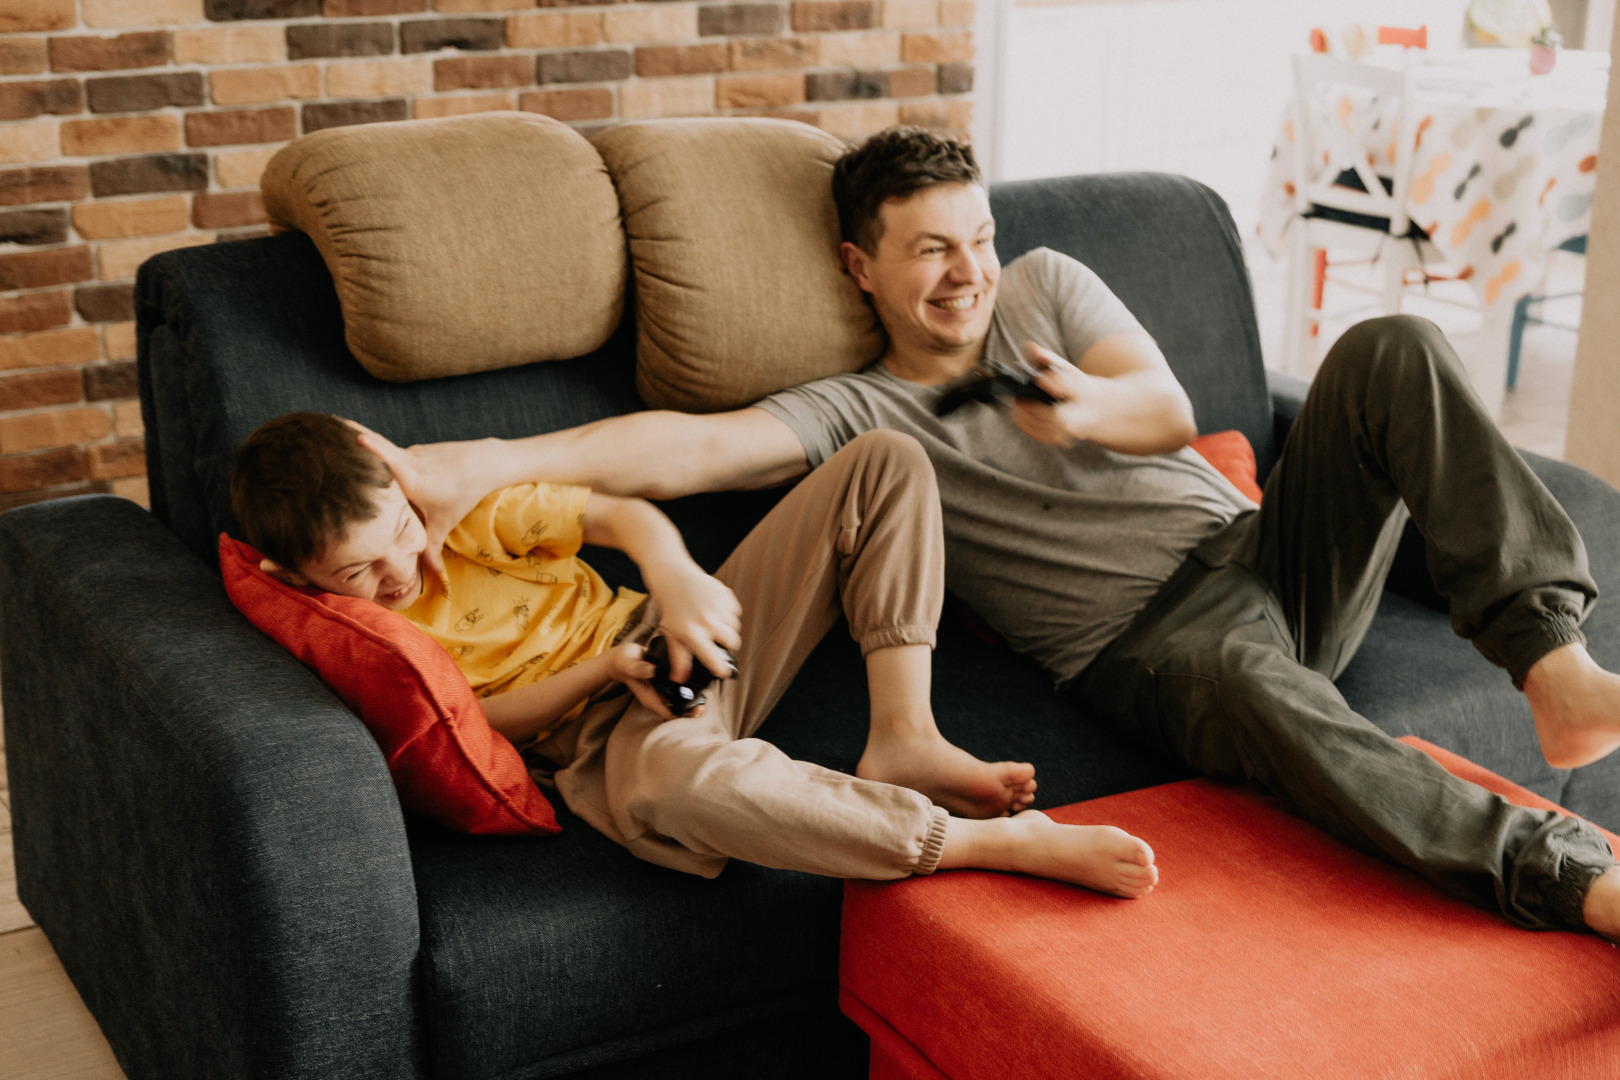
[
  {"x": 438, "y": 479},
  {"x": 700, "y": 616},
  {"x": 1061, "y": 423}
]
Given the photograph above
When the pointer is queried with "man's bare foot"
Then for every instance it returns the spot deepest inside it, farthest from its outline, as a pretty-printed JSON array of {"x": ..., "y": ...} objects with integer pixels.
[
  {"x": 1576, "y": 707},
  {"x": 1601, "y": 908},
  {"x": 948, "y": 775},
  {"x": 1099, "y": 857}
]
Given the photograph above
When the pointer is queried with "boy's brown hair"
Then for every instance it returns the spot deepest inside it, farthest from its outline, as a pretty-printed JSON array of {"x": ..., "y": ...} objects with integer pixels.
[
  {"x": 300, "y": 481},
  {"x": 893, "y": 164}
]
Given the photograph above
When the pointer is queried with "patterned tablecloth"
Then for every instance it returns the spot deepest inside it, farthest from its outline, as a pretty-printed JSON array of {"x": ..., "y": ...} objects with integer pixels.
[{"x": 1505, "y": 163}]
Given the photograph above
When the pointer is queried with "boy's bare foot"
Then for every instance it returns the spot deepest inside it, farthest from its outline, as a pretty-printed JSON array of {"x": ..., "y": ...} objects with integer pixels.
[
  {"x": 1099, "y": 857},
  {"x": 947, "y": 774},
  {"x": 1576, "y": 707},
  {"x": 1601, "y": 908}
]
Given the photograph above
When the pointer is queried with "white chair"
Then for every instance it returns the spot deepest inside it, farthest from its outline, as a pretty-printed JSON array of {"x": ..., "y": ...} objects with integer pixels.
[{"x": 1347, "y": 198}]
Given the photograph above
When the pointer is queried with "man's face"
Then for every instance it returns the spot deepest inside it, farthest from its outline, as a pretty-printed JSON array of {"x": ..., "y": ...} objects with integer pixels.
[
  {"x": 377, "y": 560},
  {"x": 933, "y": 277}
]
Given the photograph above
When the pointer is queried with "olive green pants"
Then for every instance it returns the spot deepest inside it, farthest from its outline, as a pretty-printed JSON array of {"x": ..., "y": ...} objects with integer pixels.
[{"x": 1230, "y": 666}]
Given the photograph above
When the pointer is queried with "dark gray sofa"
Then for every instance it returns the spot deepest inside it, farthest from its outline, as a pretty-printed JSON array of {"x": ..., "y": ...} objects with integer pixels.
[{"x": 211, "y": 840}]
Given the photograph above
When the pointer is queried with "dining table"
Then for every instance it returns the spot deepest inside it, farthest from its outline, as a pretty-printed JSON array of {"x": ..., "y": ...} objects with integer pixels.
[{"x": 1502, "y": 171}]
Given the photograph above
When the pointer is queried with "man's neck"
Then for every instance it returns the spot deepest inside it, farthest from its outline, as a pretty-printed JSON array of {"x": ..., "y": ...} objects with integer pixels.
[{"x": 929, "y": 368}]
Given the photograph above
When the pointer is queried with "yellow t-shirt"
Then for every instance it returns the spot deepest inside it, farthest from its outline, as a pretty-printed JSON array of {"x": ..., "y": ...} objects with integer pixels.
[{"x": 516, "y": 603}]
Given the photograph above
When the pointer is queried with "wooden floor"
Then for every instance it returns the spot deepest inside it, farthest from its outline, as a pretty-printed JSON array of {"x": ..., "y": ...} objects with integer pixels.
[{"x": 46, "y": 1033}]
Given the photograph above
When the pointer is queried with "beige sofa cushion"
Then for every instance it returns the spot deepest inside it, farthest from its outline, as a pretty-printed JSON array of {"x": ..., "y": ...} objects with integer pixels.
[
  {"x": 456, "y": 245},
  {"x": 734, "y": 242}
]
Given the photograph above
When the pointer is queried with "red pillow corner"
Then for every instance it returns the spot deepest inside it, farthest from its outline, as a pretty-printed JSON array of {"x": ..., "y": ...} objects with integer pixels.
[
  {"x": 447, "y": 763},
  {"x": 1233, "y": 458}
]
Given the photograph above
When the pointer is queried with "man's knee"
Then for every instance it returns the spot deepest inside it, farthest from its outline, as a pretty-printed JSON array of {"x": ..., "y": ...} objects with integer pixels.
[{"x": 1391, "y": 339}]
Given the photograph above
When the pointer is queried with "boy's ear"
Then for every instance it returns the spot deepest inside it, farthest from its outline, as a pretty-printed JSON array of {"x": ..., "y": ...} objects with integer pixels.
[{"x": 284, "y": 575}]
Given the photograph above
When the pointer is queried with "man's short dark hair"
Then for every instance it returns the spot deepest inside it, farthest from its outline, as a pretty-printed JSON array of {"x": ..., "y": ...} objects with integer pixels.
[
  {"x": 300, "y": 481},
  {"x": 894, "y": 164}
]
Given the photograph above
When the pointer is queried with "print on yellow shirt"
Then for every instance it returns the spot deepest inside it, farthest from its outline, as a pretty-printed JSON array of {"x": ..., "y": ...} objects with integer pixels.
[{"x": 517, "y": 603}]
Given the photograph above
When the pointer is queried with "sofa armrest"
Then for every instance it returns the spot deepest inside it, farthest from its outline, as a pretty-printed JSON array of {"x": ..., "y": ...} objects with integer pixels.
[{"x": 208, "y": 837}]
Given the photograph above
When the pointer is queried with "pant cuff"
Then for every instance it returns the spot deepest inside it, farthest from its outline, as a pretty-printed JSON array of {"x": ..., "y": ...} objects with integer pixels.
[
  {"x": 890, "y": 636},
  {"x": 934, "y": 845},
  {"x": 1523, "y": 650}
]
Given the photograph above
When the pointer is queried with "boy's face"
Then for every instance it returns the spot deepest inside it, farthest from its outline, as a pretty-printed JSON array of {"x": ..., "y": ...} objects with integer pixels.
[{"x": 377, "y": 560}]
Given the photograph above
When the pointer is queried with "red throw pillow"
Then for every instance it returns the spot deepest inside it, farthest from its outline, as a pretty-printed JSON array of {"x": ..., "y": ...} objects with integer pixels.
[
  {"x": 448, "y": 764},
  {"x": 1233, "y": 458}
]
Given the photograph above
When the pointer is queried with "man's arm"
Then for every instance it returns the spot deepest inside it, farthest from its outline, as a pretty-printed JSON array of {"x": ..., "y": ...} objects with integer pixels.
[
  {"x": 658, "y": 455},
  {"x": 1122, "y": 396}
]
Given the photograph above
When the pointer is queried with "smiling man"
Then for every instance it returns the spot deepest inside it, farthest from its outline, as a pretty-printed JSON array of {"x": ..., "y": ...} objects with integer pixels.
[{"x": 1163, "y": 601}]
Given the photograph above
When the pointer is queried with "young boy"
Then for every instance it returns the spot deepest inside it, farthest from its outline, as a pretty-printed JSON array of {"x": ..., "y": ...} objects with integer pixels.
[{"x": 541, "y": 639}]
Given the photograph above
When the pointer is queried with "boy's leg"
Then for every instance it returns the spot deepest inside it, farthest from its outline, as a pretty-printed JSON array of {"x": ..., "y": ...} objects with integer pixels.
[{"x": 691, "y": 793}]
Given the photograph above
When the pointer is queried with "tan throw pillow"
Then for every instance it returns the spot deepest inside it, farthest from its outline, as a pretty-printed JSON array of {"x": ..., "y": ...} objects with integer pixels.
[
  {"x": 457, "y": 245},
  {"x": 734, "y": 239}
]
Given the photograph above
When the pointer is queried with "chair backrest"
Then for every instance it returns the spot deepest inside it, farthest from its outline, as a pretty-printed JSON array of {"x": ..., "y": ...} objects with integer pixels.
[{"x": 1352, "y": 120}]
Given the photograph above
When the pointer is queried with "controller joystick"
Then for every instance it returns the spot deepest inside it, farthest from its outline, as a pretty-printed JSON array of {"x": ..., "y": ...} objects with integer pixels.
[{"x": 680, "y": 698}]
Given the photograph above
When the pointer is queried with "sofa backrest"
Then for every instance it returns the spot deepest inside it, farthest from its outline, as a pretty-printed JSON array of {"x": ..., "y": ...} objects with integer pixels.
[
  {"x": 231, "y": 335},
  {"x": 1167, "y": 247}
]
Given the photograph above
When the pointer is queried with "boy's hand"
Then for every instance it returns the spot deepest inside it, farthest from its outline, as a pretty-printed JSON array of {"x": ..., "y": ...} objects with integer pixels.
[
  {"x": 699, "y": 614},
  {"x": 625, "y": 665},
  {"x": 1057, "y": 424},
  {"x": 434, "y": 477}
]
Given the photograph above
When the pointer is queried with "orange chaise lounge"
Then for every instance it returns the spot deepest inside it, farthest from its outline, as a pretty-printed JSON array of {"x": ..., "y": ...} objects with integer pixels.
[{"x": 1269, "y": 950}]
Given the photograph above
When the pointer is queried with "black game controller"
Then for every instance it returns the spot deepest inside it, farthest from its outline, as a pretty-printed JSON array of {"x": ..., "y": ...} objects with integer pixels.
[
  {"x": 681, "y": 698},
  {"x": 992, "y": 381}
]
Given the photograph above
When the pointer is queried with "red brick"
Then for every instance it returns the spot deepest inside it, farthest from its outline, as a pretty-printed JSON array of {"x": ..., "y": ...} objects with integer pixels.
[
  {"x": 22, "y": 56},
  {"x": 61, "y": 427},
  {"x": 953, "y": 114},
  {"x": 130, "y": 217},
  {"x": 845, "y": 85},
  {"x": 583, "y": 65},
  {"x": 718, "y": 19},
  {"x": 124, "y": 458},
  {"x": 34, "y": 226},
  {"x": 228, "y": 210},
  {"x": 590, "y": 104},
  {"x": 34, "y": 389},
  {"x": 310, "y": 41},
  {"x": 772, "y": 53},
  {"x": 482, "y": 72},
  {"x": 55, "y": 183},
  {"x": 35, "y": 311},
  {"x": 109, "y": 382},
  {"x": 911, "y": 82},
  {"x": 139, "y": 50},
  {"x": 318, "y": 117},
  {"x": 105, "y": 303},
  {"x": 431, "y": 35},
  {"x": 241, "y": 126},
  {"x": 155, "y": 172},
  {"x": 27, "y": 472},
  {"x": 60, "y": 97},
  {"x": 753, "y": 91},
  {"x": 50, "y": 348},
  {"x": 937, "y": 47},
  {"x": 226, "y": 10},
  {"x": 36, "y": 269},
  {"x": 347, "y": 9},
  {"x": 143, "y": 93},
  {"x": 21, "y": 16},
  {"x": 681, "y": 59},
  {"x": 23, "y": 498},
  {"x": 814, "y": 15},
  {"x": 955, "y": 78},
  {"x": 120, "y": 135}
]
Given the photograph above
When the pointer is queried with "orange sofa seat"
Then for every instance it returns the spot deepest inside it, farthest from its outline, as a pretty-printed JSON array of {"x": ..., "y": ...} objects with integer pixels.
[{"x": 1268, "y": 950}]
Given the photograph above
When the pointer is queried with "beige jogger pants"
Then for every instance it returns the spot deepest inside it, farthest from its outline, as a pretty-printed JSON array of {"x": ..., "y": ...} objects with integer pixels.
[{"x": 864, "y": 529}]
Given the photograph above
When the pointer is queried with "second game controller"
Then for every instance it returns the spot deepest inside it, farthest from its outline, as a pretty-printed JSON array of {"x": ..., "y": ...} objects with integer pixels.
[{"x": 680, "y": 698}]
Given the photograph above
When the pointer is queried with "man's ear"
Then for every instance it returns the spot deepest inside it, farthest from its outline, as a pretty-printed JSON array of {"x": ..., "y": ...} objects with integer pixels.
[
  {"x": 855, "y": 261},
  {"x": 284, "y": 575}
]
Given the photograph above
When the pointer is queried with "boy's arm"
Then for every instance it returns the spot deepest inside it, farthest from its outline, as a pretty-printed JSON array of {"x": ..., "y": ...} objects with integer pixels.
[
  {"x": 523, "y": 713},
  {"x": 657, "y": 454},
  {"x": 698, "y": 612}
]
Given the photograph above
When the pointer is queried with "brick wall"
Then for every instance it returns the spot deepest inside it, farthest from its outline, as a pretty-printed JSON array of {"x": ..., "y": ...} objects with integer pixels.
[{"x": 131, "y": 127}]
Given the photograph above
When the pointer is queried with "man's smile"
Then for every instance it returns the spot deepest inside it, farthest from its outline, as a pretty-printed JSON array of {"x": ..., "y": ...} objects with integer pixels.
[{"x": 956, "y": 303}]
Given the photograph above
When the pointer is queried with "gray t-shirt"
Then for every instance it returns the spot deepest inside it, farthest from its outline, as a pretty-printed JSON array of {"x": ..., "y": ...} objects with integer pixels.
[{"x": 1057, "y": 549}]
